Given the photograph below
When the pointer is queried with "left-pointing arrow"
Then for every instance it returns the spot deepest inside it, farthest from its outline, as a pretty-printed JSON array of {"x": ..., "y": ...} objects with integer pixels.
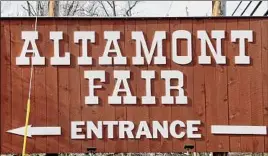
[{"x": 36, "y": 131}]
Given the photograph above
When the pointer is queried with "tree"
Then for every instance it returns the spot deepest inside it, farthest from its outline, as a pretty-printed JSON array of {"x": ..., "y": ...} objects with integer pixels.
[
  {"x": 130, "y": 6},
  {"x": 115, "y": 8},
  {"x": 61, "y": 8},
  {"x": 40, "y": 9},
  {"x": 3, "y": 6},
  {"x": 78, "y": 8},
  {"x": 70, "y": 8},
  {"x": 81, "y": 8}
]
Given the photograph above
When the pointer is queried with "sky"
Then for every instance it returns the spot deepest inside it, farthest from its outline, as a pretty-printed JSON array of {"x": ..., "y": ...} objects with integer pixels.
[
  {"x": 144, "y": 9},
  {"x": 161, "y": 8},
  {"x": 174, "y": 8}
]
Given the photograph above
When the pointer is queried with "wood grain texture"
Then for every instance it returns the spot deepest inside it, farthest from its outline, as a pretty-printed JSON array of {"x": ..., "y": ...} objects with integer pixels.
[
  {"x": 256, "y": 83},
  {"x": 211, "y": 93},
  {"x": 264, "y": 49},
  {"x": 109, "y": 113},
  {"x": 244, "y": 91},
  {"x": 74, "y": 82},
  {"x": 130, "y": 25},
  {"x": 233, "y": 87},
  {"x": 199, "y": 100},
  {"x": 18, "y": 105},
  {"x": 63, "y": 92},
  {"x": 28, "y": 25},
  {"x": 154, "y": 113},
  {"x": 51, "y": 91},
  {"x": 120, "y": 110},
  {"x": 102, "y": 93},
  {"x": 217, "y": 94},
  {"x": 85, "y": 25},
  {"x": 6, "y": 107},
  {"x": 222, "y": 90},
  {"x": 142, "y": 111},
  {"x": 176, "y": 112},
  {"x": 40, "y": 89}
]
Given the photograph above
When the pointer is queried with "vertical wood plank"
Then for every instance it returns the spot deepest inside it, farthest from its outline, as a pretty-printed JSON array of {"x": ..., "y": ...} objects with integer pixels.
[
  {"x": 120, "y": 110},
  {"x": 186, "y": 111},
  {"x": 256, "y": 83},
  {"x": 151, "y": 28},
  {"x": 221, "y": 103},
  {"x": 109, "y": 110},
  {"x": 28, "y": 25},
  {"x": 74, "y": 82},
  {"x": 63, "y": 88},
  {"x": 233, "y": 86},
  {"x": 164, "y": 111},
  {"x": 182, "y": 112},
  {"x": 142, "y": 111},
  {"x": 244, "y": 88},
  {"x": 158, "y": 111},
  {"x": 264, "y": 47},
  {"x": 6, "y": 104},
  {"x": 210, "y": 89},
  {"x": 40, "y": 91},
  {"x": 216, "y": 94},
  {"x": 18, "y": 106},
  {"x": 51, "y": 89},
  {"x": 130, "y": 45},
  {"x": 199, "y": 87},
  {"x": 176, "y": 111},
  {"x": 167, "y": 144},
  {"x": 87, "y": 110},
  {"x": 97, "y": 51}
]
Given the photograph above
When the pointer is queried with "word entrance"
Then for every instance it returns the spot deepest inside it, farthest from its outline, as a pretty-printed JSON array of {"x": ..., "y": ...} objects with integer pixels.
[{"x": 125, "y": 129}]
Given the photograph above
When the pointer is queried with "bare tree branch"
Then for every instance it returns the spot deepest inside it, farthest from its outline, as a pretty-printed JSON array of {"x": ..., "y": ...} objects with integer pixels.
[
  {"x": 104, "y": 8},
  {"x": 110, "y": 4},
  {"x": 29, "y": 9},
  {"x": 2, "y": 7},
  {"x": 82, "y": 8},
  {"x": 114, "y": 11},
  {"x": 92, "y": 9},
  {"x": 69, "y": 8},
  {"x": 40, "y": 9},
  {"x": 130, "y": 7},
  {"x": 112, "y": 8}
]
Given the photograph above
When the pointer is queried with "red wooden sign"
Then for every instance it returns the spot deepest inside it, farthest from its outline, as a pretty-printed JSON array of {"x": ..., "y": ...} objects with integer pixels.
[{"x": 135, "y": 85}]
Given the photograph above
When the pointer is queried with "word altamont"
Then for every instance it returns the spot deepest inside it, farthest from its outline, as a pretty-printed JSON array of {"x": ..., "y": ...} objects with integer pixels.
[{"x": 112, "y": 38}]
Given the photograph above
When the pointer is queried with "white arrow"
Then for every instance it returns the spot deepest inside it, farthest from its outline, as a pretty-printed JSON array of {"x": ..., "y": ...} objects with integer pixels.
[
  {"x": 230, "y": 129},
  {"x": 36, "y": 131}
]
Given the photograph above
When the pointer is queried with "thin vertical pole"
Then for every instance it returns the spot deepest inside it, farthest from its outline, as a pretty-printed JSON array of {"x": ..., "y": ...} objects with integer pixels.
[
  {"x": 51, "y": 8},
  {"x": 219, "y": 8},
  {"x": 216, "y": 5}
]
